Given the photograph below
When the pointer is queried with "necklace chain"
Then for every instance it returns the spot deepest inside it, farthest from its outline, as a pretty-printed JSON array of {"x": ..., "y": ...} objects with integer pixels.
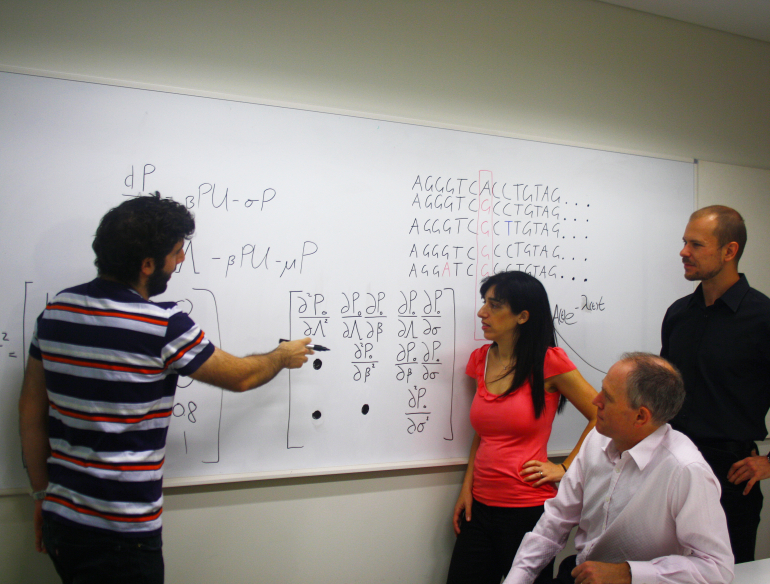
[{"x": 504, "y": 366}]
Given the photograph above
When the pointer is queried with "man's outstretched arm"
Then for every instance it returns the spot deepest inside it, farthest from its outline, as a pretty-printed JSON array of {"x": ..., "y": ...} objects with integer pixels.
[{"x": 243, "y": 373}]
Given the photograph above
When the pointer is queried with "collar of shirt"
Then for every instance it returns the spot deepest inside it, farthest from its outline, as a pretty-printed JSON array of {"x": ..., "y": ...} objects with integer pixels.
[
  {"x": 732, "y": 298},
  {"x": 103, "y": 283},
  {"x": 642, "y": 452}
]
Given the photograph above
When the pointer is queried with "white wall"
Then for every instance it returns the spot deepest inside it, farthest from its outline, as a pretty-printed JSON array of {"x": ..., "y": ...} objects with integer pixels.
[
  {"x": 574, "y": 71},
  {"x": 748, "y": 190}
]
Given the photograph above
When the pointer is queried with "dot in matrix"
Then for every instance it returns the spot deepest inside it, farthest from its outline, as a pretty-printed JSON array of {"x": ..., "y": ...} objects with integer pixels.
[
  {"x": 365, "y": 409},
  {"x": 317, "y": 415},
  {"x": 317, "y": 364}
]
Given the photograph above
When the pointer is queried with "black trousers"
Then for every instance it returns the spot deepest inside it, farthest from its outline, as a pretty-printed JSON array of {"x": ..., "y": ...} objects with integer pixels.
[
  {"x": 742, "y": 511},
  {"x": 565, "y": 571},
  {"x": 486, "y": 546},
  {"x": 85, "y": 556}
]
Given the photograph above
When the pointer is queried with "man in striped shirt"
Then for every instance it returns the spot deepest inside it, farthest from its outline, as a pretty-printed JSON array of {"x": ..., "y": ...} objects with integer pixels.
[{"x": 99, "y": 390}]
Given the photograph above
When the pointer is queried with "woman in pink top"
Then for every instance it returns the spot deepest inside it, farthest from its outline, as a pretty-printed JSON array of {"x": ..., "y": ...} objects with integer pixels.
[{"x": 522, "y": 380}]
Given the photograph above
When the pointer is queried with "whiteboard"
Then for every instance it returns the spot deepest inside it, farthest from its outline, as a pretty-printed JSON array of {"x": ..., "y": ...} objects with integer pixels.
[{"x": 369, "y": 236}]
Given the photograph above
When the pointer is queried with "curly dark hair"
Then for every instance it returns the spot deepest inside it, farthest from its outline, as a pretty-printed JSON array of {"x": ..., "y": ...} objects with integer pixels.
[{"x": 140, "y": 228}]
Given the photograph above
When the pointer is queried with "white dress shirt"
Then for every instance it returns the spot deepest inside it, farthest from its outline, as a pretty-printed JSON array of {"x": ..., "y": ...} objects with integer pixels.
[{"x": 655, "y": 506}]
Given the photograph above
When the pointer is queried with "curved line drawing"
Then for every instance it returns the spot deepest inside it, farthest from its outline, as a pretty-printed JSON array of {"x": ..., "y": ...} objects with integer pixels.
[
  {"x": 558, "y": 334},
  {"x": 221, "y": 391},
  {"x": 288, "y": 420}
]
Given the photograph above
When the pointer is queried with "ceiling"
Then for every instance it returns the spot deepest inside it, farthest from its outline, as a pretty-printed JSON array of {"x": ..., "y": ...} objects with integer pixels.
[{"x": 749, "y": 18}]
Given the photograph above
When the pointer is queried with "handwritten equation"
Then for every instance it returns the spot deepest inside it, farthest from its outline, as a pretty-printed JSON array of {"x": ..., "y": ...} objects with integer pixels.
[{"x": 382, "y": 342}]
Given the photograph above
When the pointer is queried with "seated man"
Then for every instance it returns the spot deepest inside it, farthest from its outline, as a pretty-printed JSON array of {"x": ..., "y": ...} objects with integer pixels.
[{"x": 645, "y": 501}]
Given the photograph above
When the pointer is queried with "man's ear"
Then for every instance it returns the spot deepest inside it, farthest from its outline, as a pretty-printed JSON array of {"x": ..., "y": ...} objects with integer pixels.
[
  {"x": 729, "y": 251},
  {"x": 643, "y": 416},
  {"x": 148, "y": 267}
]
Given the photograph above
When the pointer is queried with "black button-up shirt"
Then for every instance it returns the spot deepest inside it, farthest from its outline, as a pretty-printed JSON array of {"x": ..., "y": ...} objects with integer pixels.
[{"x": 723, "y": 352}]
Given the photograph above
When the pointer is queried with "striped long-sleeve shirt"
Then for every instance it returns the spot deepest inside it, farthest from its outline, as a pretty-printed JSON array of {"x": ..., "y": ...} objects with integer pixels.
[{"x": 111, "y": 361}]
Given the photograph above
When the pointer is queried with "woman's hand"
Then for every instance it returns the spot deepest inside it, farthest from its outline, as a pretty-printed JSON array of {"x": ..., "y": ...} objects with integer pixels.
[
  {"x": 539, "y": 473},
  {"x": 463, "y": 505}
]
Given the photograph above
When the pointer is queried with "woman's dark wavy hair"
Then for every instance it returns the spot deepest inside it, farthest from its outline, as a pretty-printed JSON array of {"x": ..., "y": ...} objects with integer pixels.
[
  {"x": 520, "y": 292},
  {"x": 140, "y": 228}
]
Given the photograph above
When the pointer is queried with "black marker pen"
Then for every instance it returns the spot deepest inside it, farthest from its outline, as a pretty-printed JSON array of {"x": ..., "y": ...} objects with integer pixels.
[{"x": 311, "y": 347}]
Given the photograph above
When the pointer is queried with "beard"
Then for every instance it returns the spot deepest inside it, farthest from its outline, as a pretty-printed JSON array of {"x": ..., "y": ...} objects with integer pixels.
[
  {"x": 157, "y": 283},
  {"x": 700, "y": 276}
]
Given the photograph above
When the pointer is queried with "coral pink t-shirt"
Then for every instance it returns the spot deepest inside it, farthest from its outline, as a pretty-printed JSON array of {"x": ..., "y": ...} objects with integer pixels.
[{"x": 510, "y": 435}]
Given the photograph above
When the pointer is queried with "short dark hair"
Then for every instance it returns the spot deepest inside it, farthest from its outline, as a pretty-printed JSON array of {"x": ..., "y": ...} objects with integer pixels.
[
  {"x": 520, "y": 292},
  {"x": 655, "y": 384},
  {"x": 142, "y": 227},
  {"x": 730, "y": 226}
]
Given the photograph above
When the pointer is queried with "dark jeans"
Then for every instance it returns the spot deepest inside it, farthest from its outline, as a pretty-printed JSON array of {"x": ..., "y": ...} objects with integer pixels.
[
  {"x": 85, "y": 556},
  {"x": 486, "y": 546},
  {"x": 742, "y": 511}
]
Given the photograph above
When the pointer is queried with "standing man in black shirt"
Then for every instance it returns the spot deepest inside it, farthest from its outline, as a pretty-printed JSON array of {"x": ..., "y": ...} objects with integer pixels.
[{"x": 719, "y": 338}]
